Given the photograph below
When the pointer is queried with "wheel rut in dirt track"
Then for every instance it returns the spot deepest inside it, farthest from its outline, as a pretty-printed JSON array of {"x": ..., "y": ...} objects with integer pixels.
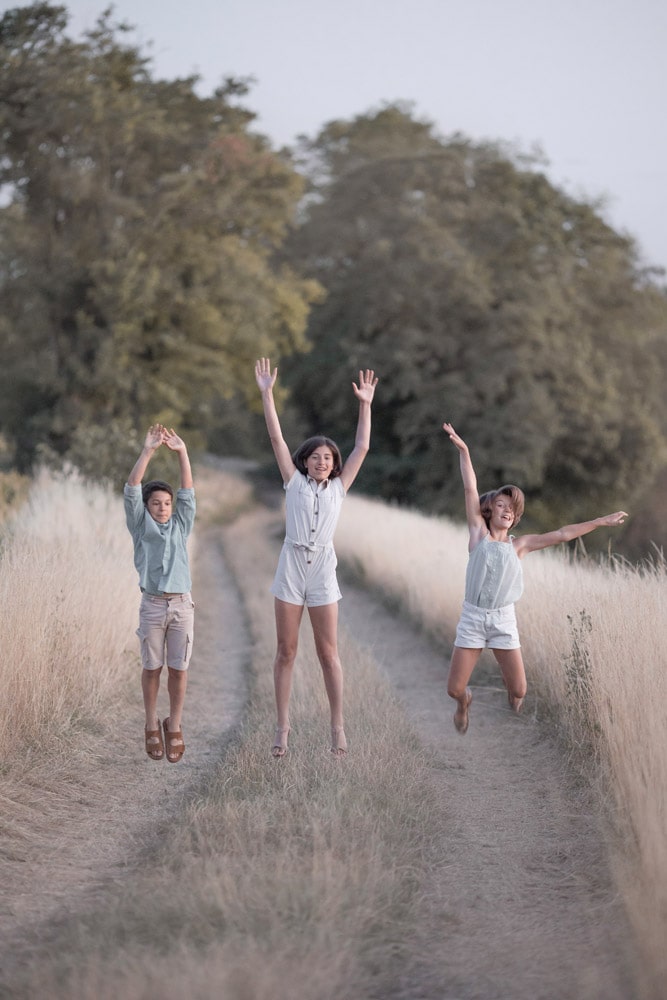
[
  {"x": 92, "y": 834},
  {"x": 519, "y": 901}
]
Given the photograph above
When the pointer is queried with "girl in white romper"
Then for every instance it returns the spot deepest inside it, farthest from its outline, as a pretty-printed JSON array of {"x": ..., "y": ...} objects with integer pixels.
[
  {"x": 494, "y": 581},
  {"x": 316, "y": 481}
]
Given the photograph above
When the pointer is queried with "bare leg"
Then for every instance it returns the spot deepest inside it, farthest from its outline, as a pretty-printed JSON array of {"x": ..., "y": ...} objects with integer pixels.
[
  {"x": 511, "y": 666},
  {"x": 461, "y": 666},
  {"x": 288, "y": 620},
  {"x": 324, "y": 620},
  {"x": 150, "y": 685},
  {"x": 176, "y": 685}
]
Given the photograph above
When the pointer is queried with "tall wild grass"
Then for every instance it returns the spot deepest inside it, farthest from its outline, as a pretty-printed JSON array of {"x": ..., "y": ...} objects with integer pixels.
[
  {"x": 594, "y": 638},
  {"x": 300, "y": 876},
  {"x": 69, "y": 603},
  {"x": 303, "y": 876}
]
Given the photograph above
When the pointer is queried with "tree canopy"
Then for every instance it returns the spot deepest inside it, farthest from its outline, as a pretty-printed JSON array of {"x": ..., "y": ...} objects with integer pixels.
[
  {"x": 137, "y": 274},
  {"x": 483, "y": 295},
  {"x": 152, "y": 245}
]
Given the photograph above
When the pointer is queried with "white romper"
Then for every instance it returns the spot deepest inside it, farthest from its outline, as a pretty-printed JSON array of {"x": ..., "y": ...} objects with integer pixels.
[
  {"x": 306, "y": 572},
  {"x": 494, "y": 581}
]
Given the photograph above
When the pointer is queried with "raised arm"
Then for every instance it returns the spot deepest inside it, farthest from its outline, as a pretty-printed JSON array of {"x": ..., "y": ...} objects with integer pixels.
[
  {"x": 530, "y": 543},
  {"x": 362, "y": 442},
  {"x": 152, "y": 442},
  {"x": 266, "y": 380},
  {"x": 175, "y": 443},
  {"x": 476, "y": 523}
]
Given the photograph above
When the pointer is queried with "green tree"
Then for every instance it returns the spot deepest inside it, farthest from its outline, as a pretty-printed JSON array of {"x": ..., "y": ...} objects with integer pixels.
[
  {"x": 483, "y": 295},
  {"x": 137, "y": 251}
]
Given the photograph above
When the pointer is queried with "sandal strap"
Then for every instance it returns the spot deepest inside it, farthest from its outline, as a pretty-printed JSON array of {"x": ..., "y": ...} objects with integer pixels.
[
  {"x": 154, "y": 749},
  {"x": 174, "y": 742}
]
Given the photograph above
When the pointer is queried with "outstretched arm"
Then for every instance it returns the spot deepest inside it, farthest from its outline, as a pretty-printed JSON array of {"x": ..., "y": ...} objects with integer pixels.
[
  {"x": 152, "y": 442},
  {"x": 266, "y": 380},
  {"x": 175, "y": 443},
  {"x": 530, "y": 543},
  {"x": 476, "y": 523},
  {"x": 362, "y": 442}
]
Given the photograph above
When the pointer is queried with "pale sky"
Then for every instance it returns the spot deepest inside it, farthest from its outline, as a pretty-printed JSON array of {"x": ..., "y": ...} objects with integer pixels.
[{"x": 583, "y": 79}]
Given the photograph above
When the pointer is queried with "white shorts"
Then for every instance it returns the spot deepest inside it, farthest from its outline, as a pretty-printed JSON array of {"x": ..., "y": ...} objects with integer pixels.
[
  {"x": 306, "y": 577},
  {"x": 492, "y": 628}
]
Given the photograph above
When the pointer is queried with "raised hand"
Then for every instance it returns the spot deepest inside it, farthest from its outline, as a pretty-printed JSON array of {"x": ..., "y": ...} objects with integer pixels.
[
  {"x": 366, "y": 389},
  {"x": 172, "y": 440},
  {"x": 263, "y": 376},
  {"x": 455, "y": 438},
  {"x": 155, "y": 436}
]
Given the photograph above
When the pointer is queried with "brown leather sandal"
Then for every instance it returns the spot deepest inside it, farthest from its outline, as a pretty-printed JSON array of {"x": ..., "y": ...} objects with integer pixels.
[
  {"x": 174, "y": 742},
  {"x": 153, "y": 742}
]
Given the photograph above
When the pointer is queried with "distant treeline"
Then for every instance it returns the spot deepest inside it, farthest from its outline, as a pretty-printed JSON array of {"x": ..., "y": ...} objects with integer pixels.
[{"x": 153, "y": 245}]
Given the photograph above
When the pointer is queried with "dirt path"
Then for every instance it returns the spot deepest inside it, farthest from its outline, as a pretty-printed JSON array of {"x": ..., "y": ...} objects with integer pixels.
[
  {"x": 521, "y": 893},
  {"x": 518, "y": 890},
  {"x": 93, "y": 832}
]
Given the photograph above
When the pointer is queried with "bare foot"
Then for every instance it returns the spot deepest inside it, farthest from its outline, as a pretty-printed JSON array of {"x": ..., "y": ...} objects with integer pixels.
[
  {"x": 279, "y": 748},
  {"x": 461, "y": 714},
  {"x": 338, "y": 741},
  {"x": 515, "y": 703}
]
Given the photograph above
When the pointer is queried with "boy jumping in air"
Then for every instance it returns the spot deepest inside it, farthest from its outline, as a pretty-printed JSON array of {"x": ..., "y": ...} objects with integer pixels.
[{"x": 160, "y": 532}]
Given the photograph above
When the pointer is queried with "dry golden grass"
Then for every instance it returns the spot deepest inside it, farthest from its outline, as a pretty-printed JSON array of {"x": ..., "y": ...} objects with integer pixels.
[
  {"x": 302, "y": 876},
  {"x": 13, "y": 492},
  {"x": 594, "y": 638},
  {"x": 68, "y": 593},
  {"x": 304, "y": 872}
]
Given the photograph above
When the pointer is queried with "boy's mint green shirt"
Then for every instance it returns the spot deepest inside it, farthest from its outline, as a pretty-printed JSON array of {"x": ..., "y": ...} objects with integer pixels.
[{"x": 160, "y": 550}]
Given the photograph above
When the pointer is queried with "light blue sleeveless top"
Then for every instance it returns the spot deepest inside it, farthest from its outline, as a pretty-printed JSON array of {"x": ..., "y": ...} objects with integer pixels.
[{"x": 494, "y": 576}]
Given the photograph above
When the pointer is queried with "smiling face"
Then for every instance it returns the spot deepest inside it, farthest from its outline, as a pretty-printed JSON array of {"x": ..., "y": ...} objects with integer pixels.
[
  {"x": 159, "y": 506},
  {"x": 502, "y": 509},
  {"x": 502, "y": 512},
  {"x": 320, "y": 463}
]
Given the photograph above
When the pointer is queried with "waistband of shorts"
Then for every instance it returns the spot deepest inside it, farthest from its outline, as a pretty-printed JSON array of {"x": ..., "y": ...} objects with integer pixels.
[
  {"x": 467, "y": 606},
  {"x": 165, "y": 597},
  {"x": 309, "y": 546}
]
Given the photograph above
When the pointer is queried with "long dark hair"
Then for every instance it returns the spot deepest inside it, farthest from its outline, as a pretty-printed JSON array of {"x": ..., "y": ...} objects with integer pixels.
[{"x": 305, "y": 450}]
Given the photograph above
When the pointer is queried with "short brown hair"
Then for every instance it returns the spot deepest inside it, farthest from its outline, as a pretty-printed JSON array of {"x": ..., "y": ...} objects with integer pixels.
[
  {"x": 305, "y": 450},
  {"x": 517, "y": 500},
  {"x": 154, "y": 486}
]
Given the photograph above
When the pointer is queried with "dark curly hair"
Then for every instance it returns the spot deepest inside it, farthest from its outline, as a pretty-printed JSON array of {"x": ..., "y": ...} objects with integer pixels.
[{"x": 305, "y": 450}]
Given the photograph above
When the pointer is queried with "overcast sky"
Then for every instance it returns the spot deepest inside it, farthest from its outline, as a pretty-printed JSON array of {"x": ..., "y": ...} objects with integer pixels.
[{"x": 583, "y": 79}]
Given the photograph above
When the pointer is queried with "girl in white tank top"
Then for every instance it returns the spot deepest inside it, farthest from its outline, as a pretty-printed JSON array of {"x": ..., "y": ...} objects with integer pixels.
[{"x": 494, "y": 581}]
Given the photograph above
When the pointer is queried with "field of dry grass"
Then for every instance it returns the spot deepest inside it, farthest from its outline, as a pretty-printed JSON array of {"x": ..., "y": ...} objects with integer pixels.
[
  {"x": 594, "y": 636},
  {"x": 308, "y": 876},
  {"x": 69, "y": 604}
]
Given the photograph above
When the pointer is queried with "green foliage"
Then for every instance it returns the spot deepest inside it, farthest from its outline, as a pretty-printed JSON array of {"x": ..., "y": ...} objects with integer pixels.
[
  {"x": 481, "y": 295},
  {"x": 137, "y": 273}
]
